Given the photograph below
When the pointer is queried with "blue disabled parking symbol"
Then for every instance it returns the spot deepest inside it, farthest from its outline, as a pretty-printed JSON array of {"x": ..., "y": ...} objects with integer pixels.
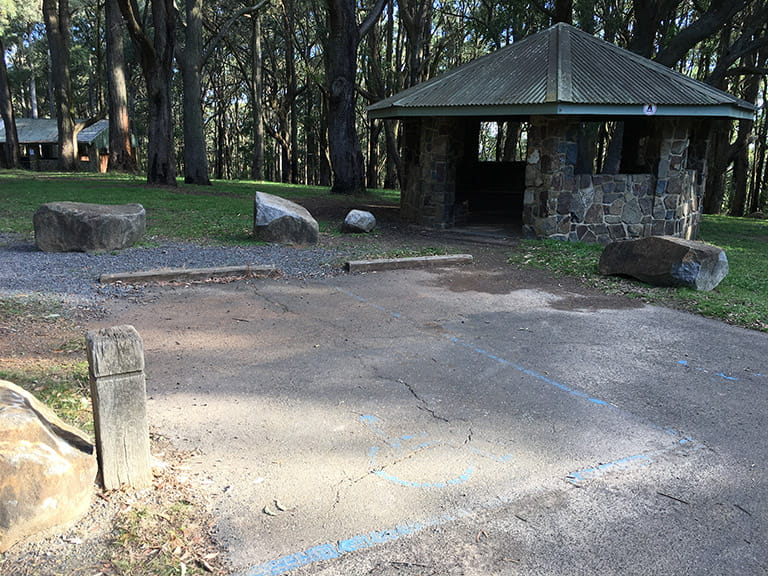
[{"x": 401, "y": 459}]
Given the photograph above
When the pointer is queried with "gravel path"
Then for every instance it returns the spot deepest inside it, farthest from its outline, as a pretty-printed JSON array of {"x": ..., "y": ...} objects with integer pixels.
[{"x": 73, "y": 276}]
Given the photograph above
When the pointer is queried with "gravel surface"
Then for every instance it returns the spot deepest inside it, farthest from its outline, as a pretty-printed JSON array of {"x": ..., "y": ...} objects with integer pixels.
[{"x": 73, "y": 276}]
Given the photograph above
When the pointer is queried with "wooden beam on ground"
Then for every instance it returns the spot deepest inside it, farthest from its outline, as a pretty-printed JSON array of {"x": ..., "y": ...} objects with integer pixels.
[
  {"x": 413, "y": 262},
  {"x": 187, "y": 274}
]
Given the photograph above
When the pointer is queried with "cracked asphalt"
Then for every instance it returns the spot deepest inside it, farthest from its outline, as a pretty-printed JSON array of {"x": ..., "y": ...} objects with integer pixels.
[{"x": 457, "y": 422}]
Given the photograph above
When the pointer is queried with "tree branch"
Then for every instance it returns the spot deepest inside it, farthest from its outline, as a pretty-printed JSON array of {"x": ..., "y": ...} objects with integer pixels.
[
  {"x": 719, "y": 12},
  {"x": 372, "y": 17},
  {"x": 225, "y": 29}
]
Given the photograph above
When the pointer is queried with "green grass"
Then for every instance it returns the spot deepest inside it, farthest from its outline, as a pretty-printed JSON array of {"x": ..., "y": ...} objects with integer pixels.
[
  {"x": 64, "y": 388},
  {"x": 741, "y": 298},
  {"x": 221, "y": 213}
]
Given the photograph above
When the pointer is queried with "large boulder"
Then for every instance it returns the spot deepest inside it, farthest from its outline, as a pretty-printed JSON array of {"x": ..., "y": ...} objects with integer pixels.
[
  {"x": 359, "y": 221},
  {"x": 666, "y": 261},
  {"x": 47, "y": 468},
  {"x": 81, "y": 227},
  {"x": 276, "y": 219}
]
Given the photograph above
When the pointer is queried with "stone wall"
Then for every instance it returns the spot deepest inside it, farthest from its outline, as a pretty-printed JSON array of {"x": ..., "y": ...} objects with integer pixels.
[
  {"x": 434, "y": 151},
  {"x": 560, "y": 204},
  {"x": 440, "y": 158}
]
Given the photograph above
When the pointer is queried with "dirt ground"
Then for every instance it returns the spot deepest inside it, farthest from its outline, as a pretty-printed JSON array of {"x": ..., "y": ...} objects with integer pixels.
[{"x": 48, "y": 340}]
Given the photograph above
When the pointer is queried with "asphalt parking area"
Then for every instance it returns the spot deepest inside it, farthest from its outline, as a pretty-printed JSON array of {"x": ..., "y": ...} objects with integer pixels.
[{"x": 422, "y": 422}]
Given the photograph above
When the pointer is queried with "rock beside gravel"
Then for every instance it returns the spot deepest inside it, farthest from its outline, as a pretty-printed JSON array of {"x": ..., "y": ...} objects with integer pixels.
[
  {"x": 47, "y": 468},
  {"x": 81, "y": 227},
  {"x": 276, "y": 219},
  {"x": 359, "y": 221}
]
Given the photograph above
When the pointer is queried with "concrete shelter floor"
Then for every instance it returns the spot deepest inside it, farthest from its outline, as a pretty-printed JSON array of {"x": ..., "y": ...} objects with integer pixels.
[{"x": 461, "y": 421}]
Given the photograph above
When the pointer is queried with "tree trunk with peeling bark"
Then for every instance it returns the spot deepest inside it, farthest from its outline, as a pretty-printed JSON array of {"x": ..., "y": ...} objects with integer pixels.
[
  {"x": 10, "y": 156},
  {"x": 156, "y": 57},
  {"x": 121, "y": 152},
  {"x": 57, "y": 27}
]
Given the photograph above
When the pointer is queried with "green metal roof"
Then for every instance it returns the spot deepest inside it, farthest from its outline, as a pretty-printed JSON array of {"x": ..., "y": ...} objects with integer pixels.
[
  {"x": 46, "y": 131},
  {"x": 562, "y": 71}
]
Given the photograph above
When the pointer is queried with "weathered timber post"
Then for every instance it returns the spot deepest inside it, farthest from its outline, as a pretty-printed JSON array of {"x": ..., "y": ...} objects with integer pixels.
[{"x": 118, "y": 392}]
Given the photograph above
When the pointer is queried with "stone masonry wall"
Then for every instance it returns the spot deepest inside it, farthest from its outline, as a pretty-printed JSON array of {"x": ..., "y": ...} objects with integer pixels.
[
  {"x": 602, "y": 208},
  {"x": 434, "y": 147}
]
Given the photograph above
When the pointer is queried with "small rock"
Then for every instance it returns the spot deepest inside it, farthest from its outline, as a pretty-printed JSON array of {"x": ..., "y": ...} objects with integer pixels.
[
  {"x": 359, "y": 221},
  {"x": 666, "y": 261},
  {"x": 276, "y": 219},
  {"x": 47, "y": 468}
]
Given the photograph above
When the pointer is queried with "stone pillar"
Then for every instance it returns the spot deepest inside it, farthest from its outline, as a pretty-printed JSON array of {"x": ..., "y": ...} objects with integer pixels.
[
  {"x": 549, "y": 176},
  {"x": 677, "y": 204},
  {"x": 118, "y": 392},
  {"x": 435, "y": 148}
]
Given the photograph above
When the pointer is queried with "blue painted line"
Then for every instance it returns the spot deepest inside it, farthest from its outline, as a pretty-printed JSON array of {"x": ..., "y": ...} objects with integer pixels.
[
  {"x": 718, "y": 374},
  {"x": 622, "y": 463},
  {"x": 330, "y": 551},
  {"x": 460, "y": 479},
  {"x": 540, "y": 377}
]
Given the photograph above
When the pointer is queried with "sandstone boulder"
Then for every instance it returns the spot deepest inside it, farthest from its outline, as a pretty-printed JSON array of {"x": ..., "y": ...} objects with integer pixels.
[
  {"x": 666, "y": 261},
  {"x": 80, "y": 227},
  {"x": 276, "y": 219},
  {"x": 47, "y": 468},
  {"x": 359, "y": 221}
]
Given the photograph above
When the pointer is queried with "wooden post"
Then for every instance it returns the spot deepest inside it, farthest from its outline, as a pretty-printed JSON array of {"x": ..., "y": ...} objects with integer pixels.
[{"x": 118, "y": 392}]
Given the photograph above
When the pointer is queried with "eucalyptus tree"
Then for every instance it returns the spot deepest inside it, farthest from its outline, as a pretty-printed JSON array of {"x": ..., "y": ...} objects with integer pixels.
[
  {"x": 341, "y": 57},
  {"x": 10, "y": 156},
  {"x": 154, "y": 44},
  {"x": 56, "y": 14},
  {"x": 121, "y": 153}
]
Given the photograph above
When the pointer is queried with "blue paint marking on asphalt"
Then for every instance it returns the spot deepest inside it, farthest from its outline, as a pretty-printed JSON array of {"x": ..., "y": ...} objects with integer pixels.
[
  {"x": 719, "y": 374},
  {"x": 396, "y": 443},
  {"x": 540, "y": 377},
  {"x": 329, "y": 551},
  {"x": 622, "y": 463}
]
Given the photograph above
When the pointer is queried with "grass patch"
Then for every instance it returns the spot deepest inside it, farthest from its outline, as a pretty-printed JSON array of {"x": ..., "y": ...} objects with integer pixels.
[
  {"x": 741, "y": 298},
  {"x": 163, "y": 539},
  {"x": 64, "y": 388},
  {"x": 221, "y": 213}
]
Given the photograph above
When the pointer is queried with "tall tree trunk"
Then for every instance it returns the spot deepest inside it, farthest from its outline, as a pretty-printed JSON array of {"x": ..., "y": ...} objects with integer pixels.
[
  {"x": 718, "y": 165},
  {"x": 10, "y": 154},
  {"x": 759, "y": 182},
  {"x": 121, "y": 153},
  {"x": 344, "y": 144},
  {"x": 190, "y": 61},
  {"x": 56, "y": 16},
  {"x": 738, "y": 204},
  {"x": 257, "y": 108},
  {"x": 563, "y": 11},
  {"x": 32, "y": 97},
  {"x": 156, "y": 57}
]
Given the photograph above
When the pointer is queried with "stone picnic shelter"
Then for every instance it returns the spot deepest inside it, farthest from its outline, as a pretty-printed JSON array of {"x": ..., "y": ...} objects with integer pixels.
[{"x": 563, "y": 85}]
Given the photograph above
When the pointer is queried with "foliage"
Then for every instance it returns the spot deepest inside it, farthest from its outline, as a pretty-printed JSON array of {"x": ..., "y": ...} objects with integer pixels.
[{"x": 741, "y": 298}]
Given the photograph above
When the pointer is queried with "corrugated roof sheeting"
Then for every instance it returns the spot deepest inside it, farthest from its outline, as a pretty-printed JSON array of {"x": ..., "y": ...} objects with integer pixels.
[
  {"x": 575, "y": 67},
  {"x": 45, "y": 130}
]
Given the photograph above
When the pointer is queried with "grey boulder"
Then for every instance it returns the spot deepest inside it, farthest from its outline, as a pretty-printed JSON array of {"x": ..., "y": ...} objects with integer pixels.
[
  {"x": 359, "y": 221},
  {"x": 81, "y": 227},
  {"x": 276, "y": 219},
  {"x": 666, "y": 261},
  {"x": 47, "y": 468}
]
